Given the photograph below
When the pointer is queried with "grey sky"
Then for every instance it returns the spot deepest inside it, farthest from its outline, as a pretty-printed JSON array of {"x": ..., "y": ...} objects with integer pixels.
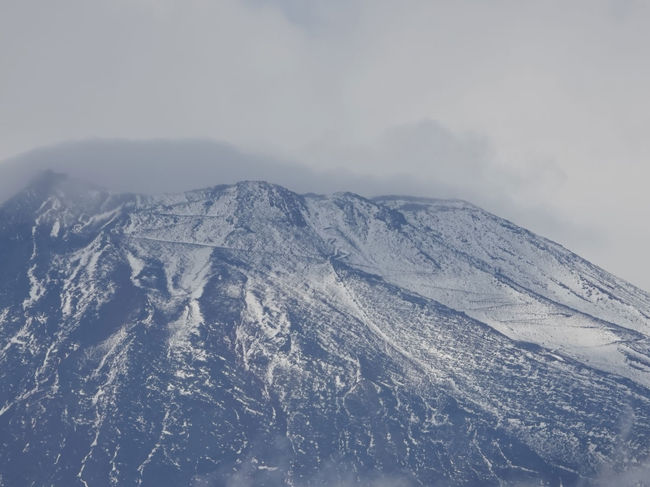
[{"x": 537, "y": 111}]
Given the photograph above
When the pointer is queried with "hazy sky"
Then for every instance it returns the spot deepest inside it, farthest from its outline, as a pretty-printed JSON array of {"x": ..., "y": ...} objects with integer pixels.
[{"x": 537, "y": 110}]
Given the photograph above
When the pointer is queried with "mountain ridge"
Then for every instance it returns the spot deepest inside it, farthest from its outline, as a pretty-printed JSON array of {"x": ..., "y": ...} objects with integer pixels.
[{"x": 175, "y": 339}]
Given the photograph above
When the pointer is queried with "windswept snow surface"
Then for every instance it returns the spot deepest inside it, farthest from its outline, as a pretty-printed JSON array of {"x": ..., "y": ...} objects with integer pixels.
[{"x": 249, "y": 335}]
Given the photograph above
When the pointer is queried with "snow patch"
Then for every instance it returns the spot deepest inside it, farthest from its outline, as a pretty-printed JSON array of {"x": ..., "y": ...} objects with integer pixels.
[{"x": 56, "y": 227}]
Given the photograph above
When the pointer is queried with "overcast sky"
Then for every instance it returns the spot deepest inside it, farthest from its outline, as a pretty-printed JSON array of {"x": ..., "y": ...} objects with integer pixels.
[{"x": 537, "y": 111}]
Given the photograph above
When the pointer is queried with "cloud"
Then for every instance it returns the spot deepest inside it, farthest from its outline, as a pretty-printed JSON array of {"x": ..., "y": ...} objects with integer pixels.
[
  {"x": 549, "y": 97},
  {"x": 174, "y": 165},
  {"x": 428, "y": 159},
  {"x": 453, "y": 164},
  {"x": 147, "y": 166},
  {"x": 422, "y": 159}
]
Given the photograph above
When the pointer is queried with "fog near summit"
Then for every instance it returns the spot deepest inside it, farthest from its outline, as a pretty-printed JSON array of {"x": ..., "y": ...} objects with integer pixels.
[
  {"x": 535, "y": 111},
  {"x": 154, "y": 166}
]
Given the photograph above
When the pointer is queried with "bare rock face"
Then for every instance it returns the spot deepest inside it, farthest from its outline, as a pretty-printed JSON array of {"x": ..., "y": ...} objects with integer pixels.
[{"x": 248, "y": 335}]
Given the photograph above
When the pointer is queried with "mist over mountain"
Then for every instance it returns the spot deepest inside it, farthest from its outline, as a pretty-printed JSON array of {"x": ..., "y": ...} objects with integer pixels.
[
  {"x": 153, "y": 166},
  {"x": 245, "y": 334}
]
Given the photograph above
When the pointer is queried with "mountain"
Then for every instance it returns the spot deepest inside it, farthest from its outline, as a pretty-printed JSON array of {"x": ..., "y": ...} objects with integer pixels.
[{"x": 248, "y": 335}]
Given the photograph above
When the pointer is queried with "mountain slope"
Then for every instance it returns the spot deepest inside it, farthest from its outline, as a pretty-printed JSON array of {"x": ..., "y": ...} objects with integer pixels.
[{"x": 248, "y": 335}]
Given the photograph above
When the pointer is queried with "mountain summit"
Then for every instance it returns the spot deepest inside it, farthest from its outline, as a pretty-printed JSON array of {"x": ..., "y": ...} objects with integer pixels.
[{"x": 249, "y": 335}]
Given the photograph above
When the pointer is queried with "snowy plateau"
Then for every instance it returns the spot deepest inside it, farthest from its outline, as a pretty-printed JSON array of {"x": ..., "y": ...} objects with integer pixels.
[{"x": 246, "y": 335}]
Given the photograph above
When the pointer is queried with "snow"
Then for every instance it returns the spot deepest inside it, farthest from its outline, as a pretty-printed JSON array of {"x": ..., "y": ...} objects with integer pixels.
[
  {"x": 266, "y": 313},
  {"x": 56, "y": 228},
  {"x": 137, "y": 265}
]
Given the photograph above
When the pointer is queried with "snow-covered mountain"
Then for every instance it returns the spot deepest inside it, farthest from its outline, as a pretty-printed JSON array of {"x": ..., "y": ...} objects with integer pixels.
[{"x": 248, "y": 335}]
